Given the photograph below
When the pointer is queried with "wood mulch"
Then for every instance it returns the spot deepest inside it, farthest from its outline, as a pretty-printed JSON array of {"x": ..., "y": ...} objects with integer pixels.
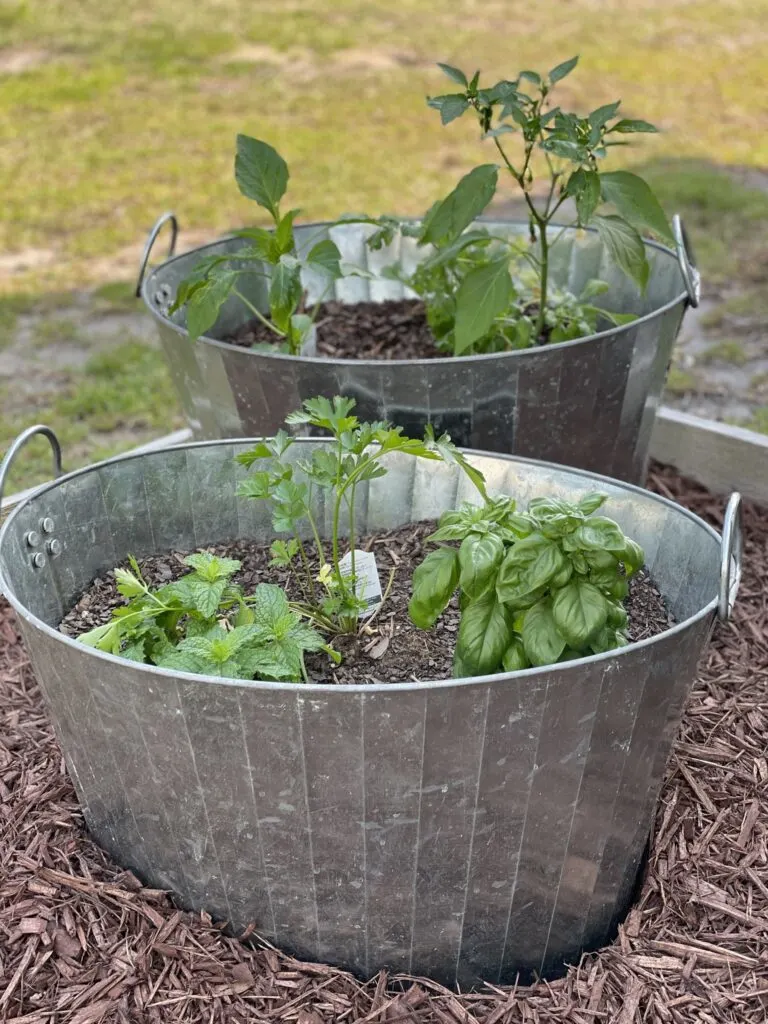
[{"x": 82, "y": 942}]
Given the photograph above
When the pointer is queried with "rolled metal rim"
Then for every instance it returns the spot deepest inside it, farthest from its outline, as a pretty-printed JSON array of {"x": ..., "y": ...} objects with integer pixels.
[
  {"x": 517, "y": 353},
  {"x": 359, "y": 688}
]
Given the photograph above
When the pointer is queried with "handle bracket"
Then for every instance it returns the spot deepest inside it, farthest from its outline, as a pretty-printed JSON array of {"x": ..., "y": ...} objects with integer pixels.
[
  {"x": 160, "y": 223},
  {"x": 731, "y": 558},
  {"x": 19, "y": 443},
  {"x": 687, "y": 261}
]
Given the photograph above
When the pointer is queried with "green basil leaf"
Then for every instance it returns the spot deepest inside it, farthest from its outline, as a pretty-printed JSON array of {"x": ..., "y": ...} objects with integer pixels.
[
  {"x": 515, "y": 657},
  {"x": 625, "y": 246},
  {"x": 434, "y": 582},
  {"x": 542, "y": 640},
  {"x": 632, "y": 556},
  {"x": 484, "y": 294},
  {"x": 591, "y": 502},
  {"x": 636, "y": 203},
  {"x": 447, "y": 219},
  {"x": 580, "y": 612},
  {"x": 479, "y": 558},
  {"x": 261, "y": 173},
  {"x": 617, "y": 615},
  {"x": 529, "y": 565},
  {"x": 484, "y": 635},
  {"x": 605, "y": 640},
  {"x": 600, "y": 534}
]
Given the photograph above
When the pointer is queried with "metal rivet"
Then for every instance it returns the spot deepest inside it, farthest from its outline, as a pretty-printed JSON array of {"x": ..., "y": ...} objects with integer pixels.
[
  {"x": 47, "y": 525},
  {"x": 38, "y": 560},
  {"x": 32, "y": 537},
  {"x": 53, "y": 548}
]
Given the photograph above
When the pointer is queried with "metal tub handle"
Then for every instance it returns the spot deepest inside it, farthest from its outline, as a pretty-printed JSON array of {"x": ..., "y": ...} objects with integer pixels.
[
  {"x": 731, "y": 558},
  {"x": 19, "y": 443},
  {"x": 687, "y": 261},
  {"x": 151, "y": 239}
]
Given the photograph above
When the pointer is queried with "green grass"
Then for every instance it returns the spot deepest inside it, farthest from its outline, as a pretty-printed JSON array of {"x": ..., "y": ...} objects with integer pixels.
[
  {"x": 127, "y": 110},
  {"x": 136, "y": 110},
  {"x": 680, "y": 382},
  {"x": 727, "y": 351},
  {"x": 120, "y": 399}
]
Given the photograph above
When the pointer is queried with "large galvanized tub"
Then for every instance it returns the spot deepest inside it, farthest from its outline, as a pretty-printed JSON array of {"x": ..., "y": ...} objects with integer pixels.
[
  {"x": 589, "y": 403},
  {"x": 462, "y": 829}
]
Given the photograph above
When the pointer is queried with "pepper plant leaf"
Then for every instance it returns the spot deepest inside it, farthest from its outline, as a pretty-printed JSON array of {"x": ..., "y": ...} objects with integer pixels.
[
  {"x": 261, "y": 173},
  {"x": 484, "y": 294},
  {"x": 636, "y": 203}
]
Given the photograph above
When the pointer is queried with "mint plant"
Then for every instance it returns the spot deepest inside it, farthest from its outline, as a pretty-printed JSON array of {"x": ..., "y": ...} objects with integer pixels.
[
  {"x": 204, "y": 623},
  {"x": 261, "y": 175},
  {"x": 535, "y": 588},
  {"x": 355, "y": 453},
  {"x": 486, "y": 293}
]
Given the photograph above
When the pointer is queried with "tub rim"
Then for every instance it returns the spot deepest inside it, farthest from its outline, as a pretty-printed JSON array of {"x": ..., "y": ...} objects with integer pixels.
[{"x": 310, "y": 689}]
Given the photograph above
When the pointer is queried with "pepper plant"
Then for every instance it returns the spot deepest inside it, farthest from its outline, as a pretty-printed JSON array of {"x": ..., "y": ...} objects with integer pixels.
[
  {"x": 478, "y": 296},
  {"x": 535, "y": 588},
  {"x": 262, "y": 175},
  {"x": 204, "y": 623},
  {"x": 355, "y": 453}
]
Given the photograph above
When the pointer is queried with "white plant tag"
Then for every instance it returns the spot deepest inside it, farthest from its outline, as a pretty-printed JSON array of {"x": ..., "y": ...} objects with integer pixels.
[{"x": 368, "y": 584}]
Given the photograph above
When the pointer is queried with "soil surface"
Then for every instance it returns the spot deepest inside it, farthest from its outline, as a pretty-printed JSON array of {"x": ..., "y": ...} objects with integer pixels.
[
  {"x": 395, "y": 329},
  {"x": 390, "y": 649}
]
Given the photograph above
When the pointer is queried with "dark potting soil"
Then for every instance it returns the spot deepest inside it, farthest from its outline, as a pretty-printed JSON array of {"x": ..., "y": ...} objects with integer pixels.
[
  {"x": 395, "y": 329},
  {"x": 391, "y": 649}
]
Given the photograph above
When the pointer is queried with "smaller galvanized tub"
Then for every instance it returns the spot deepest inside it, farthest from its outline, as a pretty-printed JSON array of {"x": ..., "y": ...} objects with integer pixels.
[
  {"x": 466, "y": 829},
  {"x": 589, "y": 403}
]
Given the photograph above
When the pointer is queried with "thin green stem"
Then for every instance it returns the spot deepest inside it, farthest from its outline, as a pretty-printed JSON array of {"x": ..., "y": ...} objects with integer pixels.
[{"x": 257, "y": 313}]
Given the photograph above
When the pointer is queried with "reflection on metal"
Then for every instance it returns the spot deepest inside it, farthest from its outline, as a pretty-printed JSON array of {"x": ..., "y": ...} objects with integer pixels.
[
  {"x": 462, "y": 829},
  {"x": 589, "y": 403}
]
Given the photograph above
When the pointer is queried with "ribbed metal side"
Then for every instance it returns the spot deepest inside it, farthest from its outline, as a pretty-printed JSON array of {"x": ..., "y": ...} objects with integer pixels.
[
  {"x": 589, "y": 403},
  {"x": 464, "y": 830}
]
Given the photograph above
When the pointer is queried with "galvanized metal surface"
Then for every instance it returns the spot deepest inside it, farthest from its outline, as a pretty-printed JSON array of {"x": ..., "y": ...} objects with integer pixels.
[
  {"x": 460, "y": 829},
  {"x": 589, "y": 403}
]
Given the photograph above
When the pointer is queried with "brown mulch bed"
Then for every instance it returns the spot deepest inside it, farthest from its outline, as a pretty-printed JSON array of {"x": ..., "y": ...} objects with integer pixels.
[
  {"x": 82, "y": 942},
  {"x": 395, "y": 329}
]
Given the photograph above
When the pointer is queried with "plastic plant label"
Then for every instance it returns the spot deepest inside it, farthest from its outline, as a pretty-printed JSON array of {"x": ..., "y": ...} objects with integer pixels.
[{"x": 367, "y": 582}]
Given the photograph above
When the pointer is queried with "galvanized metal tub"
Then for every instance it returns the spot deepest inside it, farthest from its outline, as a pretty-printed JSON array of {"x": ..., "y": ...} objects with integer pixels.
[
  {"x": 465, "y": 830},
  {"x": 589, "y": 403}
]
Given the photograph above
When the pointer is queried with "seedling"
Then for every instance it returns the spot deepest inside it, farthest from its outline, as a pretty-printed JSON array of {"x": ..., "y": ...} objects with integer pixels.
[
  {"x": 535, "y": 588},
  {"x": 485, "y": 293},
  {"x": 261, "y": 175},
  {"x": 355, "y": 453}
]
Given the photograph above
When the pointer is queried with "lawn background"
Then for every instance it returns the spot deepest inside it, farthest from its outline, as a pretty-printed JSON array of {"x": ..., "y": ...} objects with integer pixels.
[{"x": 112, "y": 112}]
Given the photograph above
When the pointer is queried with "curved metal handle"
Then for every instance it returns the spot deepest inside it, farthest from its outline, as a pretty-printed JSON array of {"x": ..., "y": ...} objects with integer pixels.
[
  {"x": 19, "y": 443},
  {"x": 687, "y": 261},
  {"x": 731, "y": 558},
  {"x": 151, "y": 239}
]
